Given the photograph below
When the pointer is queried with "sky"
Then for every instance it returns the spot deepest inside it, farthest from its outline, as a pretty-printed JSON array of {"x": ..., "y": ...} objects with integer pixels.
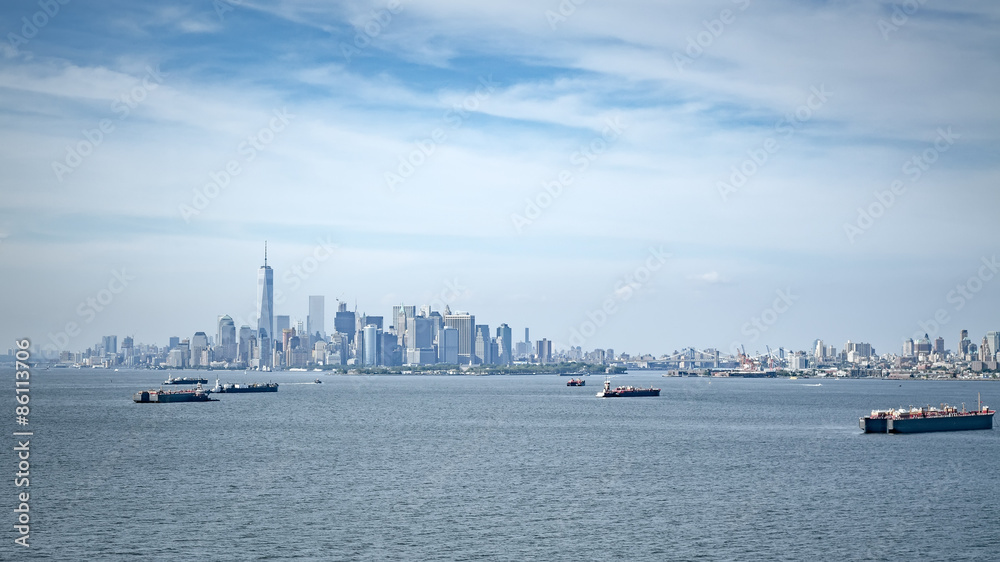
[{"x": 642, "y": 176}]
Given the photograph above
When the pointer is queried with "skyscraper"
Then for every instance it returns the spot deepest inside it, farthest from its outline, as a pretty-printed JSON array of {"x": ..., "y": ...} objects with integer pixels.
[
  {"x": 265, "y": 310},
  {"x": 448, "y": 346},
  {"x": 345, "y": 322},
  {"x": 483, "y": 349},
  {"x": 225, "y": 338},
  {"x": 994, "y": 340},
  {"x": 314, "y": 322},
  {"x": 504, "y": 337},
  {"x": 465, "y": 324},
  {"x": 281, "y": 323},
  {"x": 370, "y": 337}
]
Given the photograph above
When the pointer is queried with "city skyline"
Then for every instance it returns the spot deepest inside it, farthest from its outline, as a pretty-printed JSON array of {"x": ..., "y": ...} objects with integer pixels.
[
  {"x": 472, "y": 340},
  {"x": 623, "y": 176}
]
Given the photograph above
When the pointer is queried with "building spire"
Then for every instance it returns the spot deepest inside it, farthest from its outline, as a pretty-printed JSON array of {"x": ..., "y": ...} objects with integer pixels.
[{"x": 265, "y": 253}]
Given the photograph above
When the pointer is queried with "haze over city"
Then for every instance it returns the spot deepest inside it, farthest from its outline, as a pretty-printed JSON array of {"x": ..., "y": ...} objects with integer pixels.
[{"x": 722, "y": 172}]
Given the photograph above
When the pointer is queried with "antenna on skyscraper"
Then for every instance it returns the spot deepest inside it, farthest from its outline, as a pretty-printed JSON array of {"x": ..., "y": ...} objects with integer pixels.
[{"x": 265, "y": 253}]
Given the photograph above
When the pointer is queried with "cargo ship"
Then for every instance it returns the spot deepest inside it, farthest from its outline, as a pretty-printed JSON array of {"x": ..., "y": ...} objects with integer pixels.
[
  {"x": 626, "y": 391},
  {"x": 237, "y": 388},
  {"x": 576, "y": 382},
  {"x": 927, "y": 419},
  {"x": 185, "y": 380},
  {"x": 198, "y": 394}
]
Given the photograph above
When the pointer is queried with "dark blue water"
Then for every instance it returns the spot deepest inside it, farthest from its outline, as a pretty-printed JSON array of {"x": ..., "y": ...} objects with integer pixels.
[{"x": 499, "y": 468}]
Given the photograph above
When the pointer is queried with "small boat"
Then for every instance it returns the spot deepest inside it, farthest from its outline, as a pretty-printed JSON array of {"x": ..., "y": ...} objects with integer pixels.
[
  {"x": 319, "y": 381},
  {"x": 576, "y": 382}
]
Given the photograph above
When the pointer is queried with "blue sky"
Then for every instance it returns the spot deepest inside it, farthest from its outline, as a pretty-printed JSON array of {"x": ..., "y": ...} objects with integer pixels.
[{"x": 638, "y": 116}]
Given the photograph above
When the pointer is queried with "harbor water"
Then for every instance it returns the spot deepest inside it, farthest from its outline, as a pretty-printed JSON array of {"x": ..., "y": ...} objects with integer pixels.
[{"x": 500, "y": 468}]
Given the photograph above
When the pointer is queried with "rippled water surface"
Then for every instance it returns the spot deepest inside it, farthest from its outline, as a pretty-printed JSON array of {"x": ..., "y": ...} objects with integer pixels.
[{"x": 501, "y": 468}]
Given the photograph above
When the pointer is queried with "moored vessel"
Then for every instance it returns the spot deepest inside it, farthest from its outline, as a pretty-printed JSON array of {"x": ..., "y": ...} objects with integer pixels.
[
  {"x": 198, "y": 394},
  {"x": 243, "y": 388},
  {"x": 576, "y": 382},
  {"x": 626, "y": 391},
  {"x": 927, "y": 419},
  {"x": 185, "y": 380}
]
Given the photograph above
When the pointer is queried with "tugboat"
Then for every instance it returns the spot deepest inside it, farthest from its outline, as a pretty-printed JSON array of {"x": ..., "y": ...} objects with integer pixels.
[
  {"x": 576, "y": 382},
  {"x": 923, "y": 420},
  {"x": 625, "y": 391}
]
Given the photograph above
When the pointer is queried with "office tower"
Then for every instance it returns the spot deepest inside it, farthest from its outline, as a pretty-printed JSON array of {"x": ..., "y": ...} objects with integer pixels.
[
  {"x": 465, "y": 324},
  {"x": 483, "y": 348},
  {"x": 963, "y": 342},
  {"x": 448, "y": 346},
  {"x": 543, "y": 350},
  {"x": 610, "y": 355},
  {"x": 109, "y": 345},
  {"x": 345, "y": 322},
  {"x": 314, "y": 321},
  {"x": 390, "y": 354},
  {"x": 422, "y": 334},
  {"x": 923, "y": 347},
  {"x": 908, "y": 347},
  {"x": 820, "y": 352},
  {"x": 504, "y": 342},
  {"x": 985, "y": 351},
  {"x": 245, "y": 344},
  {"x": 939, "y": 345},
  {"x": 993, "y": 338},
  {"x": 365, "y": 320},
  {"x": 282, "y": 323},
  {"x": 527, "y": 340},
  {"x": 370, "y": 337},
  {"x": 225, "y": 338},
  {"x": 402, "y": 318},
  {"x": 265, "y": 310},
  {"x": 173, "y": 342},
  {"x": 199, "y": 350}
]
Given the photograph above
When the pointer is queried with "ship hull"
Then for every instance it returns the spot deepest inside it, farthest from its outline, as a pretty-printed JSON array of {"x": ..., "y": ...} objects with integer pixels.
[
  {"x": 146, "y": 397},
  {"x": 248, "y": 389},
  {"x": 929, "y": 424},
  {"x": 629, "y": 393}
]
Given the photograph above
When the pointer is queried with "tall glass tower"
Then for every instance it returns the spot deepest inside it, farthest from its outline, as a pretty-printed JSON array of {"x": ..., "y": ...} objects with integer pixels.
[{"x": 265, "y": 310}]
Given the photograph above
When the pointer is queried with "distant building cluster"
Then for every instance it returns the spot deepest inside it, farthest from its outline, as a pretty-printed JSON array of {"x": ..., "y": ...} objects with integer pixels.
[
  {"x": 423, "y": 336},
  {"x": 411, "y": 336}
]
